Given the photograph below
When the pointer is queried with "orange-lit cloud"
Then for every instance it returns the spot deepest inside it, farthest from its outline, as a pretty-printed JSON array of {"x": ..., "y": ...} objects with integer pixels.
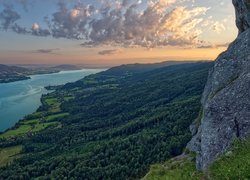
[
  {"x": 114, "y": 31},
  {"x": 156, "y": 23}
]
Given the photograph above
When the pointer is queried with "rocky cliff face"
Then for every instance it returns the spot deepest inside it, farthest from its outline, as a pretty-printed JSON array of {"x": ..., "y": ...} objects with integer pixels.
[
  {"x": 242, "y": 9},
  {"x": 226, "y": 98}
]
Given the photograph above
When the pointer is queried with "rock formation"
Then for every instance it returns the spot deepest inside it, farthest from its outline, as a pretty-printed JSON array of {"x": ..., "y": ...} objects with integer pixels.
[
  {"x": 226, "y": 98},
  {"x": 242, "y": 11}
]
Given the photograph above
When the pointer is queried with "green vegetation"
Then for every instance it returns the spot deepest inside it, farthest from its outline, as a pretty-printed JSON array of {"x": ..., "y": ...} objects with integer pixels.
[
  {"x": 56, "y": 116},
  {"x": 41, "y": 119},
  {"x": 53, "y": 104},
  {"x": 115, "y": 126},
  {"x": 7, "y": 155},
  {"x": 67, "y": 98},
  {"x": 23, "y": 129},
  {"x": 235, "y": 164},
  {"x": 179, "y": 168}
]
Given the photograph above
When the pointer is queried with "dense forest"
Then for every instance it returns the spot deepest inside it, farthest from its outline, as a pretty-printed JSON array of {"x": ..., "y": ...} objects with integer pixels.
[{"x": 112, "y": 125}]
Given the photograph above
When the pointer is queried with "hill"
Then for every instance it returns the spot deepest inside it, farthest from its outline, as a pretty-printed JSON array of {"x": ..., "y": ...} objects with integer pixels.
[
  {"x": 108, "y": 125},
  {"x": 66, "y": 67},
  {"x": 140, "y": 68},
  {"x": 17, "y": 73},
  {"x": 12, "y": 73}
]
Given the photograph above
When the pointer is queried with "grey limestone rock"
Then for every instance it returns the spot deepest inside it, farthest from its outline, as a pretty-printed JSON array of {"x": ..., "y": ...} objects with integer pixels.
[
  {"x": 226, "y": 98},
  {"x": 242, "y": 9}
]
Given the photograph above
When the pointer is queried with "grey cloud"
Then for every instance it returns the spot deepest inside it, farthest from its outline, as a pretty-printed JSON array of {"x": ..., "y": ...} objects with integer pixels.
[
  {"x": 36, "y": 32},
  {"x": 41, "y": 32},
  {"x": 8, "y": 17},
  {"x": 125, "y": 3},
  {"x": 25, "y": 3},
  {"x": 19, "y": 30},
  {"x": 70, "y": 23},
  {"x": 110, "y": 52},
  {"x": 46, "y": 51}
]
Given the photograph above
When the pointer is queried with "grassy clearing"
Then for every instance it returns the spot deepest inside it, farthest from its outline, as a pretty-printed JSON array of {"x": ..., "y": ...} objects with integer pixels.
[
  {"x": 38, "y": 121},
  {"x": 42, "y": 126},
  {"x": 29, "y": 122},
  {"x": 180, "y": 168},
  {"x": 55, "y": 108},
  {"x": 22, "y": 129},
  {"x": 7, "y": 155},
  {"x": 56, "y": 116},
  {"x": 51, "y": 101},
  {"x": 235, "y": 164},
  {"x": 67, "y": 98}
]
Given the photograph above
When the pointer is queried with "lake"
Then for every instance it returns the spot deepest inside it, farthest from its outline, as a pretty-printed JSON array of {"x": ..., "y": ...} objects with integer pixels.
[{"x": 18, "y": 99}]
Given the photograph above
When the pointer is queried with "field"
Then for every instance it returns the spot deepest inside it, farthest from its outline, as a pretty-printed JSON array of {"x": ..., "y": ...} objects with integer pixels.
[
  {"x": 179, "y": 168},
  {"x": 39, "y": 120},
  {"x": 7, "y": 155}
]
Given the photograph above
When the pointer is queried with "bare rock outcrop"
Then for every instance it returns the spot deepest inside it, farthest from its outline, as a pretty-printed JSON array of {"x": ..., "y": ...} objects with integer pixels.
[
  {"x": 226, "y": 98},
  {"x": 242, "y": 11}
]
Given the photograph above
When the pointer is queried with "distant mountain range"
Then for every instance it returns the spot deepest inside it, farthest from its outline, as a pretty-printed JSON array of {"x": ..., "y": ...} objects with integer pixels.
[{"x": 17, "y": 73}]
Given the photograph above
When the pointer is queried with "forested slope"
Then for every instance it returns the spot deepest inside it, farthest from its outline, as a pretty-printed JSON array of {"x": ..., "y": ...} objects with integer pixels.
[{"x": 114, "y": 125}]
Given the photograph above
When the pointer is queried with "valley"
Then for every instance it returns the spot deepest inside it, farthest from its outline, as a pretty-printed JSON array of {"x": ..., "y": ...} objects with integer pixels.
[
  {"x": 109, "y": 125},
  {"x": 124, "y": 90}
]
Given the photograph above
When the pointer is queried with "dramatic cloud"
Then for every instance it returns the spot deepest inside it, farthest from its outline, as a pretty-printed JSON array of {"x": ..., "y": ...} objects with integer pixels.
[
  {"x": 70, "y": 23},
  {"x": 155, "y": 26},
  {"x": 110, "y": 52},
  {"x": 127, "y": 23}
]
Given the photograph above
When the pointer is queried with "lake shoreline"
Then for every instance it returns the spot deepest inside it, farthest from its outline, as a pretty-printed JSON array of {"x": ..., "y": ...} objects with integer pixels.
[
  {"x": 26, "y": 77},
  {"x": 2, "y": 81},
  {"x": 21, "y": 98}
]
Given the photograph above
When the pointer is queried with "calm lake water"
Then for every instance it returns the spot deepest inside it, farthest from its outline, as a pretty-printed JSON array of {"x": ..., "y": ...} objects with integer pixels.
[{"x": 21, "y": 98}]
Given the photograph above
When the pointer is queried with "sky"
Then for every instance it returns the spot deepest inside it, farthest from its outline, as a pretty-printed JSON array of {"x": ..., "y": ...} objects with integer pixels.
[{"x": 112, "y": 32}]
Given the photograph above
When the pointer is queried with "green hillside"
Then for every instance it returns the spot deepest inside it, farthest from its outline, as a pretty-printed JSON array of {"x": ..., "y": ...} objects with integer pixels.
[
  {"x": 109, "y": 126},
  {"x": 234, "y": 164}
]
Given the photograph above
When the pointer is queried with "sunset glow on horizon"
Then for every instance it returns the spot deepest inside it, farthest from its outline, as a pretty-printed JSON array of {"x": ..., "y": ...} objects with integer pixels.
[{"x": 114, "y": 32}]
